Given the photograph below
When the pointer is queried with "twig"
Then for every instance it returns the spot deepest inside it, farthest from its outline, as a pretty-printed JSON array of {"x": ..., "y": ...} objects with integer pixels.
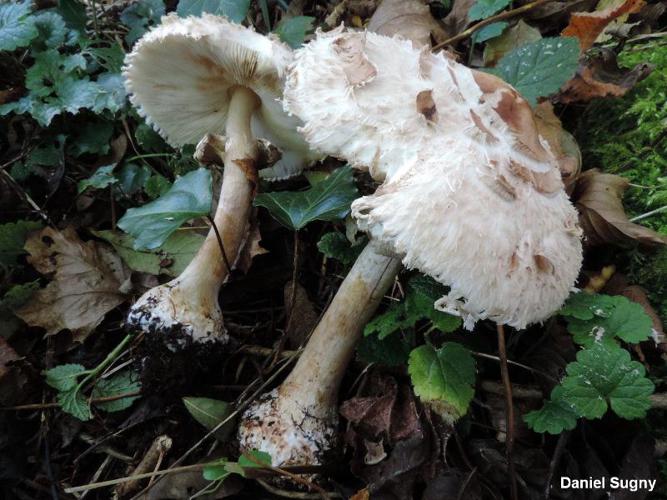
[
  {"x": 301, "y": 495},
  {"x": 515, "y": 363},
  {"x": 558, "y": 452},
  {"x": 649, "y": 214},
  {"x": 151, "y": 461},
  {"x": 509, "y": 411},
  {"x": 222, "y": 247},
  {"x": 256, "y": 350},
  {"x": 43, "y": 406}
]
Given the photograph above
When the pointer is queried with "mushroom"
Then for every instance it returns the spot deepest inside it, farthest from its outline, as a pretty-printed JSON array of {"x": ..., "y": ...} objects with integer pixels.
[
  {"x": 472, "y": 196},
  {"x": 190, "y": 78}
]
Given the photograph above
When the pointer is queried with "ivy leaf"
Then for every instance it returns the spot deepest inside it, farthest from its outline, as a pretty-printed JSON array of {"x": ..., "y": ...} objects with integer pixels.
[
  {"x": 17, "y": 26},
  {"x": 336, "y": 246},
  {"x": 64, "y": 377},
  {"x": 540, "y": 68},
  {"x": 486, "y": 8},
  {"x": 151, "y": 224},
  {"x": 12, "y": 239},
  {"x": 488, "y": 32},
  {"x": 443, "y": 378},
  {"x": 293, "y": 30},
  {"x": 602, "y": 318},
  {"x": 102, "y": 178},
  {"x": 74, "y": 403},
  {"x": 139, "y": 16},
  {"x": 327, "y": 200},
  {"x": 121, "y": 383},
  {"x": 234, "y": 10},
  {"x": 554, "y": 417},
  {"x": 605, "y": 376}
]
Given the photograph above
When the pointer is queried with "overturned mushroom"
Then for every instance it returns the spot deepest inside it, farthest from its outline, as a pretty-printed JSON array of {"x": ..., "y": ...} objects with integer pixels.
[
  {"x": 471, "y": 196},
  {"x": 189, "y": 78}
]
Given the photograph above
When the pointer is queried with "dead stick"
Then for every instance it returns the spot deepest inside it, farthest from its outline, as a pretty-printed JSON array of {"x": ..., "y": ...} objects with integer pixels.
[
  {"x": 509, "y": 411},
  {"x": 43, "y": 406}
]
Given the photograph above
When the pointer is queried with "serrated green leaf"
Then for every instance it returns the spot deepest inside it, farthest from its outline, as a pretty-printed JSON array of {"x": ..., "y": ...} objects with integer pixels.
[
  {"x": 74, "y": 403},
  {"x": 336, "y": 246},
  {"x": 393, "y": 350},
  {"x": 152, "y": 224},
  {"x": 139, "y": 16},
  {"x": 102, "y": 178},
  {"x": 443, "y": 378},
  {"x": 110, "y": 93},
  {"x": 482, "y": 9},
  {"x": 95, "y": 138},
  {"x": 12, "y": 239},
  {"x": 327, "y": 200},
  {"x": 171, "y": 258},
  {"x": 51, "y": 28},
  {"x": 554, "y": 417},
  {"x": 540, "y": 68},
  {"x": 74, "y": 14},
  {"x": 293, "y": 30},
  {"x": 17, "y": 26},
  {"x": 64, "y": 377},
  {"x": 605, "y": 376},
  {"x": 234, "y": 10},
  {"x": 109, "y": 57},
  {"x": 121, "y": 383},
  {"x": 488, "y": 32}
]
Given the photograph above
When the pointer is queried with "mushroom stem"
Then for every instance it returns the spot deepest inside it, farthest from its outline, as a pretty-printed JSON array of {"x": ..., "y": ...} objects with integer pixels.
[{"x": 296, "y": 423}]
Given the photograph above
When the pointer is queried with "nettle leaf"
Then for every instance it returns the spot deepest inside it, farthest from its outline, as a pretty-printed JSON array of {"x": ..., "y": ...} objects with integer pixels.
[
  {"x": 153, "y": 223},
  {"x": 605, "y": 376},
  {"x": 64, "y": 377},
  {"x": 17, "y": 26},
  {"x": 122, "y": 383},
  {"x": 443, "y": 378},
  {"x": 12, "y": 239},
  {"x": 102, "y": 178},
  {"x": 336, "y": 246},
  {"x": 234, "y": 10},
  {"x": 603, "y": 318},
  {"x": 482, "y": 9},
  {"x": 488, "y": 32},
  {"x": 554, "y": 417},
  {"x": 540, "y": 68},
  {"x": 74, "y": 403},
  {"x": 293, "y": 30},
  {"x": 327, "y": 200},
  {"x": 139, "y": 16}
]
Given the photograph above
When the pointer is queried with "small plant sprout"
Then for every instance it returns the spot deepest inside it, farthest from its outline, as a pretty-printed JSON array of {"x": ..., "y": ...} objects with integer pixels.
[
  {"x": 190, "y": 78},
  {"x": 471, "y": 196}
]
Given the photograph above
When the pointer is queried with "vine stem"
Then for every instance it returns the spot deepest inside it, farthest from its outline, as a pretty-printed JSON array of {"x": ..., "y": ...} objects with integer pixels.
[{"x": 509, "y": 411}]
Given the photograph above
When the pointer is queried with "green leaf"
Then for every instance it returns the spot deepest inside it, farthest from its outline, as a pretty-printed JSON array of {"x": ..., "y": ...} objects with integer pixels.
[
  {"x": 95, "y": 139},
  {"x": 132, "y": 178},
  {"x": 139, "y": 16},
  {"x": 603, "y": 318},
  {"x": 74, "y": 14},
  {"x": 122, "y": 383},
  {"x": 12, "y": 239},
  {"x": 216, "y": 471},
  {"x": 102, "y": 178},
  {"x": 64, "y": 377},
  {"x": 17, "y": 26},
  {"x": 486, "y": 8},
  {"x": 74, "y": 403},
  {"x": 443, "y": 378},
  {"x": 554, "y": 417},
  {"x": 540, "y": 68},
  {"x": 149, "y": 139},
  {"x": 108, "y": 57},
  {"x": 51, "y": 28},
  {"x": 171, "y": 258},
  {"x": 18, "y": 295},
  {"x": 254, "y": 459},
  {"x": 515, "y": 36},
  {"x": 110, "y": 93},
  {"x": 605, "y": 376},
  {"x": 293, "y": 30},
  {"x": 336, "y": 246},
  {"x": 208, "y": 412},
  {"x": 157, "y": 185},
  {"x": 488, "y": 32},
  {"x": 234, "y": 10},
  {"x": 152, "y": 224},
  {"x": 393, "y": 350},
  {"x": 327, "y": 200}
]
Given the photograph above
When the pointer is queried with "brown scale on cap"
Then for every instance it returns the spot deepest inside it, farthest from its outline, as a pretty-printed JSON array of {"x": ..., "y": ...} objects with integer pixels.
[{"x": 426, "y": 105}]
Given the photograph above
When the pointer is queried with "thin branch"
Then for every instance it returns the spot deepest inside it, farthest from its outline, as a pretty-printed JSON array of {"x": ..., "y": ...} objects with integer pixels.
[
  {"x": 44, "y": 406},
  {"x": 509, "y": 411},
  {"x": 222, "y": 247}
]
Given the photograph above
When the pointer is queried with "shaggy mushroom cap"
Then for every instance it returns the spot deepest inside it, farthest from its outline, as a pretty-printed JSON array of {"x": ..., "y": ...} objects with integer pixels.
[
  {"x": 180, "y": 76},
  {"x": 472, "y": 194}
]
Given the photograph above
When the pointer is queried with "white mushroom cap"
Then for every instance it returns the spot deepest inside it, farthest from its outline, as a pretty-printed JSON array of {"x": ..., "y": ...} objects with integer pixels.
[
  {"x": 180, "y": 76},
  {"x": 472, "y": 195}
]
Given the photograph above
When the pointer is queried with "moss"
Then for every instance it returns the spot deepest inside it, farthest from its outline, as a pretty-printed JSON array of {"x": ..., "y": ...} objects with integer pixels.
[{"x": 626, "y": 136}]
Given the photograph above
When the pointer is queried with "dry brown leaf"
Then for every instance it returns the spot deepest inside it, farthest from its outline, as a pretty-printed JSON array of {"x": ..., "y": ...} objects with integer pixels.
[
  {"x": 410, "y": 19},
  {"x": 587, "y": 26},
  {"x": 88, "y": 280},
  {"x": 305, "y": 315},
  {"x": 457, "y": 19},
  {"x": 598, "y": 197},
  {"x": 600, "y": 76},
  {"x": 361, "y": 495},
  {"x": 251, "y": 247}
]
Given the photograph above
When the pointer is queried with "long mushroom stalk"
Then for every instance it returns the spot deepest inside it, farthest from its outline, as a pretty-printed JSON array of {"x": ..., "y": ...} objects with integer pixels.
[
  {"x": 191, "y": 78},
  {"x": 296, "y": 423}
]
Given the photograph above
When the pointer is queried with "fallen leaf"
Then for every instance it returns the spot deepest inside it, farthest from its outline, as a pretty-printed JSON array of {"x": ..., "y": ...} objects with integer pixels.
[
  {"x": 305, "y": 315},
  {"x": 7, "y": 355},
  {"x": 512, "y": 38},
  {"x": 598, "y": 75},
  {"x": 410, "y": 19},
  {"x": 598, "y": 196},
  {"x": 251, "y": 247},
  {"x": 457, "y": 19},
  {"x": 88, "y": 280},
  {"x": 587, "y": 26}
]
